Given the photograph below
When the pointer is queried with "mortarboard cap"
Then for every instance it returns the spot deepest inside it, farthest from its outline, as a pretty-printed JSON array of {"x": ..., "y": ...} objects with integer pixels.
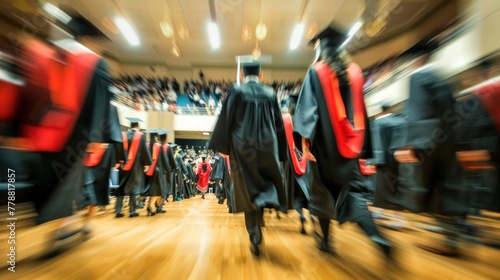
[
  {"x": 163, "y": 131},
  {"x": 331, "y": 36},
  {"x": 251, "y": 68},
  {"x": 173, "y": 145},
  {"x": 134, "y": 120},
  {"x": 152, "y": 130}
]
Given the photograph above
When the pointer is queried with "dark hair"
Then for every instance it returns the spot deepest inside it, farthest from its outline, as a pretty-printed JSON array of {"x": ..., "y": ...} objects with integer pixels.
[{"x": 332, "y": 57}]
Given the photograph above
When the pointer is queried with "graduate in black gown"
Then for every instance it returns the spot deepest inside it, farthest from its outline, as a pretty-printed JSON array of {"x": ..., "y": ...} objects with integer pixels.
[
  {"x": 98, "y": 160},
  {"x": 179, "y": 175},
  {"x": 217, "y": 176},
  {"x": 60, "y": 116},
  {"x": 156, "y": 175},
  {"x": 478, "y": 143},
  {"x": 330, "y": 116},
  {"x": 138, "y": 160},
  {"x": 388, "y": 134},
  {"x": 431, "y": 182},
  {"x": 250, "y": 130},
  {"x": 295, "y": 174},
  {"x": 169, "y": 154}
]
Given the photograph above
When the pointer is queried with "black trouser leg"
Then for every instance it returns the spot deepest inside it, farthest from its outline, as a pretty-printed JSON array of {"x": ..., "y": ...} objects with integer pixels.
[
  {"x": 368, "y": 226},
  {"x": 324, "y": 224},
  {"x": 252, "y": 223}
]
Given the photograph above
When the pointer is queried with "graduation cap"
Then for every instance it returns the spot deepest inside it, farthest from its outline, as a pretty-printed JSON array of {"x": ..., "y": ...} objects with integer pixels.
[
  {"x": 251, "y": 68},
  {"x": 134, "y": 121},
  {"x": 331, "y": 36},
  {"x": 173, "y": 145},
  {"x": 182, "y": 155},
  {"x": 163, "y": 131},
  {"x": 152, "y": 131}
]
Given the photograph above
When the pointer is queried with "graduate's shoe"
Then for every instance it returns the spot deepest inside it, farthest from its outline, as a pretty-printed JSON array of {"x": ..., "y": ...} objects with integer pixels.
[
  {"x": 119, "y": 215},
  {"x": 159, "y": 210},
  {"x": 385, "y": 245},
  {"x": 133, "y": 214},
  {"x": 150, "y": 212},
  {"x": 140, "y": 205},
  {"x": 325, "y": 247},
  {"x": 254, "y": 248},
  {"x": 302, "y": 222}
]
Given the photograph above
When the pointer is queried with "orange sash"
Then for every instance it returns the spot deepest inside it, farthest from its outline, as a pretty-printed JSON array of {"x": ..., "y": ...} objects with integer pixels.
[
  {"x": 298, "y": 165},
  {"x": 165, "y": 148},
  {"x": 134, "y": 147},
  {"x": 156, "y": 153},
  {"x": 366, "y": 169},
  {"x": 94, "y": 157},
  {"x": 349, "y": 139}
]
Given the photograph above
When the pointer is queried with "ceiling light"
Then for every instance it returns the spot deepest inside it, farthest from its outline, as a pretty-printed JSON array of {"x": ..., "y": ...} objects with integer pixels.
[
  {"x": 213, "y": 34},
  {"x": 127, "y": 31},
  {"x": 167, "y": 29},
  {"x": 174, "y": 49},
  {"x": 261, "y": 31},
  {"x": 206, "y": 133},
  {"x": 246, "y": 33},
  {"x": 256, "y": 52},
  {"x": 355, "y": 28},
  {"x": 57, "y": 13},
  {"x": 296, "y": 35}
]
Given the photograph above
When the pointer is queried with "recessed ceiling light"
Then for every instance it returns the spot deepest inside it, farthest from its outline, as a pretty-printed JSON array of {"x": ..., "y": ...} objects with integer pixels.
[{"x": 127, "y": 31}]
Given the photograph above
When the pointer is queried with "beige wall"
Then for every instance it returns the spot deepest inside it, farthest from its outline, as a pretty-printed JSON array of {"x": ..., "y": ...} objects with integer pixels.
[{"x": 162, "y": 120}]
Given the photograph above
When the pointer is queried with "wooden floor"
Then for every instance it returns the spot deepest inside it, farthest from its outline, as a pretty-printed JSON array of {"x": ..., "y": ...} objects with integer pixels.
[{"x": 198, "y": 239}]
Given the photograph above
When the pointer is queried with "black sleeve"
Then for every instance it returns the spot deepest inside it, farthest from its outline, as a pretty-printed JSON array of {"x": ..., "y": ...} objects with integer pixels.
[
  {"x": 145, "y": 154},
  {"x": 306, "y": 111},
  {"x": 220, "y": 140}
]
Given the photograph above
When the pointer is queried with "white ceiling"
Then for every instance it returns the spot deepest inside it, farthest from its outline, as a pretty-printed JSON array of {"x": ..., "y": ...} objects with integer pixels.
[{"x": 280, "y": 16}]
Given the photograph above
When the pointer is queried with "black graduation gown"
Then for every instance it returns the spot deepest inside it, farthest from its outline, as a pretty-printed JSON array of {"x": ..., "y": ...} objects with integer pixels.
[
  {"x": 179, "y": 177},
  {"x": 433, "y": 184},
  {"x": 96, "y": 185},
  {"x": 132, "y": 182},
  {"x": 171, "y": 174},
  {"x": 59, "y": 175},
  {"x": 332, "y": 192},
  {"x": 250, "y": 130},
  {"x": 192, "y": 178},
  {"x": 157, "y": 183},
  {"x": 388, "y": 135},
  {"x": 476, "y": 131}
]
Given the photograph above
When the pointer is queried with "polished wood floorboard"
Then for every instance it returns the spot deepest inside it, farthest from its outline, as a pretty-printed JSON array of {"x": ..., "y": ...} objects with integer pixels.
[{"x": 198, "y": 239}]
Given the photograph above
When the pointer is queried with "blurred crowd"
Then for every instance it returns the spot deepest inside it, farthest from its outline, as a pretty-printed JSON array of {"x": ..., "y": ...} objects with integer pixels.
[{"x": 204, "y": 97}]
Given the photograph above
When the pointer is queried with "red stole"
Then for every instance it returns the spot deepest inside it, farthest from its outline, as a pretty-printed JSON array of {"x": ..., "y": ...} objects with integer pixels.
[
  {"x": 94, "y": 157},
  {"x": 366, "y": 169},
  {"x": 298, "y": 165},
  {"x": 156, "y": 153},
  {"x": 67, "y": 85},
  {"x": 134, "y": 147},
  {"x": 350, "y": 139},
  {"x": 489, "y": 94},
  {"x": 10, "y": 98},
  {"x": 165, "y": 148}
]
